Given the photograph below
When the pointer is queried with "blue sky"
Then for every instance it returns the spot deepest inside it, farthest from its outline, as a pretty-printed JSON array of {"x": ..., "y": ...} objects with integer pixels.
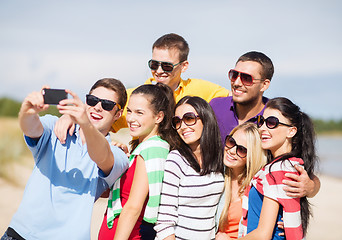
[{"x": 71, "y": 44}]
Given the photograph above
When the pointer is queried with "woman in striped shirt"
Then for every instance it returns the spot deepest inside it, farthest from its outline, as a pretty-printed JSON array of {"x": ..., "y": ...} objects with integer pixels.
[
  {"x": 288, "y": 136},
  {"x": 193, "y": 178}
]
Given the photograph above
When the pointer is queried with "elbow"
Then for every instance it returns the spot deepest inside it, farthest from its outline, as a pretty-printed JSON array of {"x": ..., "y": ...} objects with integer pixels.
[{"x": 133, "y": 210}]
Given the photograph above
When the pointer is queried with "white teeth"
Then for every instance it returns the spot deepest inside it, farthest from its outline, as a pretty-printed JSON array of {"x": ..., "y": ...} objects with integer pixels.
[
  {"x": 96, "y": 116},
  {"x": 186, "y": 134}
]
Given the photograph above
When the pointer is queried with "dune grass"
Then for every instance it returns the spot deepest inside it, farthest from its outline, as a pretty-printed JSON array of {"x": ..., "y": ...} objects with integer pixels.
[{"x": 12, "y": 146}]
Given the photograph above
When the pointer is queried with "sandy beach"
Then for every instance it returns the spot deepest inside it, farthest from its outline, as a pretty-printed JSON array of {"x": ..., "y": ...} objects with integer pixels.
[{"x": 324, "y": 224}]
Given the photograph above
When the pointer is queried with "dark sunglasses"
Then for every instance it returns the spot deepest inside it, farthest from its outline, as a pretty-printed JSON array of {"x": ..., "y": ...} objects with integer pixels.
[
  {"x": 246, "y": 78},
  {"x": 271, "y": 122},
  {"x": 166, "y": 66},
  {"x": 107, "y": 105},
  {"x": 188, "y": 118},
  {"x": 241, "y": 151}
]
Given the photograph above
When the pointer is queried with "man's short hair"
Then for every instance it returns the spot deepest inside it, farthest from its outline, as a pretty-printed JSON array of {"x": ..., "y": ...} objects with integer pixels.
[
  {"x": 173, "y": 41},
  {"x": 115, "y": 85},
  {"x": 263, "y": 60}
]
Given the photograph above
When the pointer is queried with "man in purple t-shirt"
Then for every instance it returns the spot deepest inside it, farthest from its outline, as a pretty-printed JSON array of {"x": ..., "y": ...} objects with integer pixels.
[{"x": 250, "y": 78}]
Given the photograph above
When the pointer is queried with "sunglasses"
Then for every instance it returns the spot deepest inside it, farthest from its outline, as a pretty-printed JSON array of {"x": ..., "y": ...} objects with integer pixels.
[
  {"x": 188, "y": 118},
  {"x": 246, "y": 78},
  {"x": 107, "y": 105},
  {"x": 166, "y": 66},
  {"x": 241, "y": 151},
  {"x": 271, "y": 122}
]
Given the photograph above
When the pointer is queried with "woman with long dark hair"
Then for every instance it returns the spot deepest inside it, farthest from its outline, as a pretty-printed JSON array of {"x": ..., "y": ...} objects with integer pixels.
[
  {"x": 193, "y": 178},
  {"x": 289, "y": 138}
]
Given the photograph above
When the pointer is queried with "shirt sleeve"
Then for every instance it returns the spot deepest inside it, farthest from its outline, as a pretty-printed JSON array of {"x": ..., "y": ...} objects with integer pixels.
[
  {"x": 168, "y": 209},
  {"x": 119, "y": 167}
]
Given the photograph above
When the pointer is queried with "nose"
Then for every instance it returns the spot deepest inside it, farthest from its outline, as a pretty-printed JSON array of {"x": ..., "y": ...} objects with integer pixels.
[
  {"x": 232, "y": 151},
  {"x": 238, "y": 82},
  {"x": 159, "y": 69},
  {"x": 98, "y": 107}
]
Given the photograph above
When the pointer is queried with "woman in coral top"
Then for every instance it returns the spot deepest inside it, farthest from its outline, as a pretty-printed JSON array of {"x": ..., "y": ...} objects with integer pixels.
[{"x": 243, "y": 158}]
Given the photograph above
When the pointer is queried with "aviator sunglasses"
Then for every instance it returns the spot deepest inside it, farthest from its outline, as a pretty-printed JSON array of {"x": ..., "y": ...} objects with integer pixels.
[
  {"x": 188, "y": 118},
  {"x": 166, "y": 66},
  {"x": 107, "y": 105},
  {"x": 241, "y": 151},
  {"x": 246, "y": 78},
  {"x": 271, "y": 122}
]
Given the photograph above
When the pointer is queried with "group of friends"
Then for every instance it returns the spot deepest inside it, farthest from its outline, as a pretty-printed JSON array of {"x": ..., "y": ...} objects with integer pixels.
[{"x": 204, "y": 162}]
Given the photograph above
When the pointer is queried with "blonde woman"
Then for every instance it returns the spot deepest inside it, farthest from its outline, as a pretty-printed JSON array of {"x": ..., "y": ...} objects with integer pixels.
[{"x": 243, "y": 158}]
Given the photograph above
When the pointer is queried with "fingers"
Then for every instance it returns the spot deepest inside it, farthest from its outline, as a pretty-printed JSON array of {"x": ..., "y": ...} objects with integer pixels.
[
  {"x": 291, "y": 183},
  {"x": 61, "y": 128},
  {"x": 72, "y": 129},
  {"x": 122, "y": 146},
  {"x": 300, "y": 169}
]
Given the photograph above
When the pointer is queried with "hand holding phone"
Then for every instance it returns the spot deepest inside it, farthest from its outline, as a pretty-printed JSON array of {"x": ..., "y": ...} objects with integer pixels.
[{"x": 54, "y": 96}]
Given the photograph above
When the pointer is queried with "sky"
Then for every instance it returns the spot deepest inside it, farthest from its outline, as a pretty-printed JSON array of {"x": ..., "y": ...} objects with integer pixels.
[{"x": 71, "y": 44}]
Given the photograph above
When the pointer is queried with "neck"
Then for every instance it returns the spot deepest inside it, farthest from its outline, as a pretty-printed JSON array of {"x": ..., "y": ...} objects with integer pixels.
[
  {"x": 248, "y": 110},
  {"x": 197, "y": 152},
  {"x": 152, "y": 133},
  {"x": 236, "y": 172},
  {"x": 175, "y": 85}
]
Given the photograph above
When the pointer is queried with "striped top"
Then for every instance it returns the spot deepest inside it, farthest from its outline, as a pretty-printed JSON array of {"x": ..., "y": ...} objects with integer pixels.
[
  {"x": 273, "y": 188},
  {"x": 188, "y": 201},
  {"x": 154, "y": 152}
]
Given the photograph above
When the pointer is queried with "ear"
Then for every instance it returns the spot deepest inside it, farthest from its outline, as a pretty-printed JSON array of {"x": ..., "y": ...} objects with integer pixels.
[
  {"x": 292, "y": 131},
  {"x": 117, "y": 115},
  {"x": 185, "y": 65},
  {"x": 160, "y": 117},
  {"x": 265, "y": 85}
]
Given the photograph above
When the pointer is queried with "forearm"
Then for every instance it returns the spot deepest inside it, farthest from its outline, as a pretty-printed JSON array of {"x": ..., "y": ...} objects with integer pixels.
[
  {"x": 127, "y": 219},
  {"x": 30, "y": 124},
  {"x": 316, "y": 187},
  {"x": 98, "y": 148}
]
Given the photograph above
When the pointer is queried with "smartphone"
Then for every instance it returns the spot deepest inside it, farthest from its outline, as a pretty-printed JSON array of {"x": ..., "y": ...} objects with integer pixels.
[{"x": 54, "y": 96}]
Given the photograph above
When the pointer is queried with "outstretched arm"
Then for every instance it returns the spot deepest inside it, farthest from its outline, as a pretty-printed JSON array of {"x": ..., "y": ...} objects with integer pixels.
[
  {"x": 97, "y": 145},
  {"x": 301, "y": 185},
  {"x": 133, "y": 207},
  {"x": 28, "y": 115}
]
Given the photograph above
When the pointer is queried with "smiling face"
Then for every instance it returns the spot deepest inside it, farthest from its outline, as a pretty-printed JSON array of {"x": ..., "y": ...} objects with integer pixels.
[
  {"x": 190, "y": 134},
  {"x": 172, "y": 79},
  {"x": 231, "y": 159},
  {"x": 248, "y": 94},
  {"x": 141, "y": 119},
  {"x": 277, "y": 140},
  {"x": 100, "y": 118}
]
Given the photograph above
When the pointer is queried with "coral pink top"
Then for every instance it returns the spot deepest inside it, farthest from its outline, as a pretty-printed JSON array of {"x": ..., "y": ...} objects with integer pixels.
[{"x": 234, "y": 217}]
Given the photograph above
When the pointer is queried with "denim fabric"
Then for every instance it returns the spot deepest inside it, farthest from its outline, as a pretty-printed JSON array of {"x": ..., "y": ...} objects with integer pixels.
[{"x": 6, "y": 237}]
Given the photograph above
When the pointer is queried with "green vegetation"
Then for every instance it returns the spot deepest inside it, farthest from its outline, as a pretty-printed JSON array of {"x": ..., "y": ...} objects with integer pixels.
[
  {"x": 328, "y": 126},
  {"x": 10, "y": 108},
  {"x": 12, "y": 146}
]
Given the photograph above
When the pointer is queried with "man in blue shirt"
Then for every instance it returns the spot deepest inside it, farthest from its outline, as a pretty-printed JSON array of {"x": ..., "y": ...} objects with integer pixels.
[{"x": 68, "y": 178}]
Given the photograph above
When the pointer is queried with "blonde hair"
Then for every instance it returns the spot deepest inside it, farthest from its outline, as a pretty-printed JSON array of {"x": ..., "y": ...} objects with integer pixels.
[{"x": 255, "y": 160}]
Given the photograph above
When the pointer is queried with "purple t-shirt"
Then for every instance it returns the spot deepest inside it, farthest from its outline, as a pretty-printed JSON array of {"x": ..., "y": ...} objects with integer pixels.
[{"x": 226, "y": 116}]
